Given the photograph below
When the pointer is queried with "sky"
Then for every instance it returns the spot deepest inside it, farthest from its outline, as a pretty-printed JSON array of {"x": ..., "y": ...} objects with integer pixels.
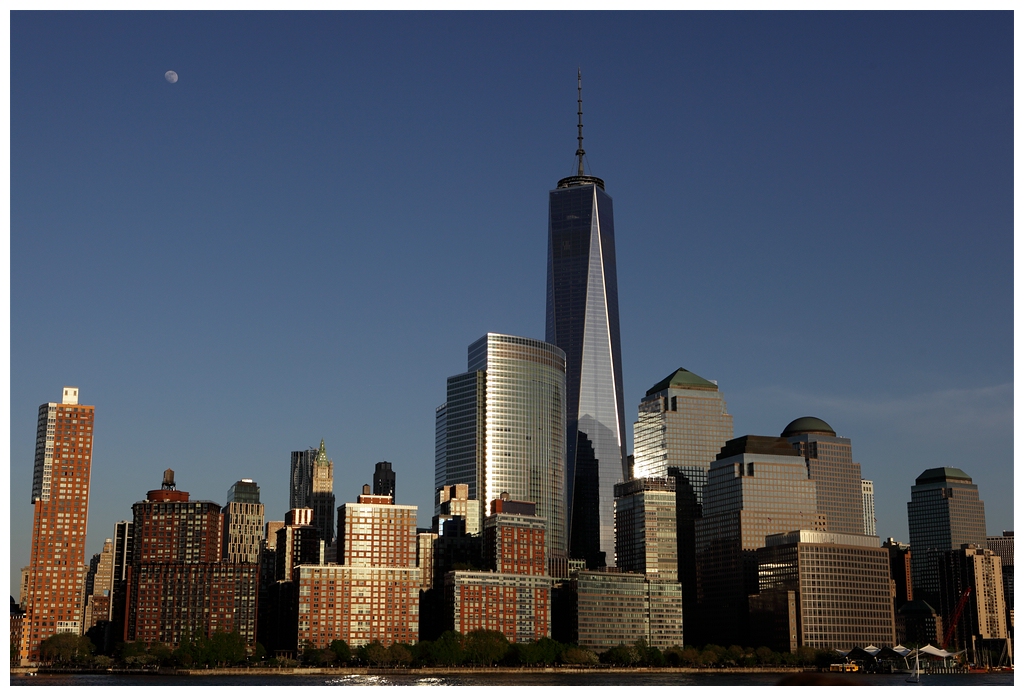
[{"x": 299, "y": 239}]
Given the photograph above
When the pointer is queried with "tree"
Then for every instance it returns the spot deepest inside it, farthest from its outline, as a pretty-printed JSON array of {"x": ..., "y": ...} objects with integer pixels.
[
  {"x": 447, "y": 650},
  {"x": 399, "y": 654},
  {"x": 342, "y": 653},
  {"x": 375, "y": 653},
  {"x": 575, "y": 655},
  {"x": 485, "y": 647},
  {"x": 66, "y": 649}
]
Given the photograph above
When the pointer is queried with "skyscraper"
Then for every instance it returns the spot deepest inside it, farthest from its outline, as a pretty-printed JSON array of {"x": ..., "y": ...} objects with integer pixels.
[
  {"x": 384, "y": 480},
  {"x": 944, "y": 513},
  {"x": 60, "y": 501},
  {"x": 681, "y": 427},
  {"x": 243, "y": 523},
  {"x": 312, "y": 486},
  {"x": 757, "y": 486},
  {"x": 830, "y": 465},
  {"x": 645, "y": 528},
  {"x": 583, "y": 320},
  {"x": 505, "y": 424}
]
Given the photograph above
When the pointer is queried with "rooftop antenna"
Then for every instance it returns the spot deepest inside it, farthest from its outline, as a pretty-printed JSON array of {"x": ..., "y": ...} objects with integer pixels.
[{"x": 579, "y": 137}]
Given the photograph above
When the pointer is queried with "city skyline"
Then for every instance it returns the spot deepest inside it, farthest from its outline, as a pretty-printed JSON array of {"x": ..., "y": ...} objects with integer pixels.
[{"x": 814, "y": 210}]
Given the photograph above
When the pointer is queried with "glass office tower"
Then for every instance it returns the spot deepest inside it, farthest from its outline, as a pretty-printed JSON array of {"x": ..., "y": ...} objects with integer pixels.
[
  {"x": 583, "y": 320},
  {"x": 504, "y": 427},
  {"x": 944, "y": 512}
]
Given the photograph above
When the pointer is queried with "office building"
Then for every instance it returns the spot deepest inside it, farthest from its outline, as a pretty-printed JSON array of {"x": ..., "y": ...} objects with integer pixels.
[
  {"x": 841, "y": 585},
  {"x": 243, "y": 523},
  {"x": 99, "y": 586},
  {"x": 505, "y": 423},
  {"x": 583, "y": 320},
  {"x": 1003, "y": 547},
  {"x": 830, "y": 465},
  {"x": 609, "y": 608},
  {"x": 384, "y": 480},
  {"x": 454, "y": 501},
  {"x": 867, "y": 489},
  {"x": 298, "y": 543},
  {"x": 373, "y": 594},
  {"x": 981, "y": 624},
  {"x": 944, "y": 513},
  {"x": 178, "y": 587},
  {"x": 899, "y": 571},
  {"x": 124, "y": 546},
  {"x": 683, "y": 423},
  {"x": 645, "y": 528},
  {"x": 757, "y": 486},
  {"x": 681, "y": 426},
  {"x": 60, "y": 502},
  {"x": 312, "y": 486}
]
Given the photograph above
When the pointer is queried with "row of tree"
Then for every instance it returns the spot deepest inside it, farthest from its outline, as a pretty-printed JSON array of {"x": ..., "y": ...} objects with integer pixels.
[{"x": 477, "y": 648}]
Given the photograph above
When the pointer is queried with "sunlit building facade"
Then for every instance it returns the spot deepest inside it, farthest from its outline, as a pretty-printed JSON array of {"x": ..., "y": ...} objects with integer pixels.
[
  {"x": 505, "y": 423},
  {"x": 54, "y": 601},
  {"x": 645, "y": 528},
  {"x": 830, "y": 465}
]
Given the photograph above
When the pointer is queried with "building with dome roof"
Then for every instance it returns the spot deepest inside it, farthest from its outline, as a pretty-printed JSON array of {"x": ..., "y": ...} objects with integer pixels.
[{"x": 830, "y": 465}]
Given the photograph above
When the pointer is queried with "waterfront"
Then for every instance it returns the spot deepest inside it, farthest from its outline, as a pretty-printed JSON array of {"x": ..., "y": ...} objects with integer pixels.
[{"x": 497, "y": 678}]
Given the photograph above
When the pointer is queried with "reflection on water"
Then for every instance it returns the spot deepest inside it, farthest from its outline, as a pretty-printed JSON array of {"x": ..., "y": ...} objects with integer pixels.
[{"x": 496, "y": 679}]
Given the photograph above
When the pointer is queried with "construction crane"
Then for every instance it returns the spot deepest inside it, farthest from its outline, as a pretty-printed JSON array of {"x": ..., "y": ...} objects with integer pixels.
[{"x": 956, "y": 616}]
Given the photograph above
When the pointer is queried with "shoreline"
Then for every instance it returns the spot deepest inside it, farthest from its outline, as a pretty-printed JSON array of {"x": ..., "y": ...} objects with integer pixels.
[{"x": 415, "y": 671}]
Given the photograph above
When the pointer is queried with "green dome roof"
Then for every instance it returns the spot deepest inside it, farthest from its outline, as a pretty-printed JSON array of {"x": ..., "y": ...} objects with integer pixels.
[
  {"x": 808, "y": 424},
  {"x": 682, "y": 379}
]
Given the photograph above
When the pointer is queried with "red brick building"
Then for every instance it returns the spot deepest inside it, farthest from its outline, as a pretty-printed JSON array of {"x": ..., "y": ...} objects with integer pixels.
[
  {"x": 178, "y": 588},
  {"x": 60, "y": 499}
]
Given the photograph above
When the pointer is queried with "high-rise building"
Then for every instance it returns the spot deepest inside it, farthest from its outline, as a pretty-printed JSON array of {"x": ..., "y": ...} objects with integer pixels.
[
  {"x": 384, "y": 480},
  {"x": 981, "y": 626},
  {"x": 944, "y": 513},
  {"x": 645, "y": 528},
  {"x": 298, "y": 543},
  {"x": 505, "y": 424},
  {"x": 513, "y": 596},
  {"x": 899, "y": 570},
  {"x": 830, "y": 465},
  {"x": 1003, "y": 547},
  {"x": 243, "y": 523},
  {"x": 608, "y": 608},
  {"x": 312, "y": 486},
  {"x": 867, "y": 489},
  {"x": 583, "y": 320},
  {"x": 178, "y": 587},
  {"x": 682, "y": 423},
  {"x": 124, "y": 547},
  {"x": 99, "y": 586},
  {"x": 60, "y": 502},
  {"x": 757, "y": 486},
  {"x": 373, "y": 594},
  {"x": 454, "y": 501},
  {"x": 841, "y": 585},
  {"x": 681, "y": 427}
]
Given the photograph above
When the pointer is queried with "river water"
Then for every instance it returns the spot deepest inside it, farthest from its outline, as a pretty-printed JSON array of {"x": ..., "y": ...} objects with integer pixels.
[{"x": 491, "y": 680}]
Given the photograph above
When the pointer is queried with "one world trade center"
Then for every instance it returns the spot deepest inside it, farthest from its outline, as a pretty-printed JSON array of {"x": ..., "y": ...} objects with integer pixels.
[{"x": 583, "y": 320}]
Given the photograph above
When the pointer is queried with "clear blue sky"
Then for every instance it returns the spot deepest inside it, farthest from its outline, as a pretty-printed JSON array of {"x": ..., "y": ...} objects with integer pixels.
[{"x": 299, "y": 239}]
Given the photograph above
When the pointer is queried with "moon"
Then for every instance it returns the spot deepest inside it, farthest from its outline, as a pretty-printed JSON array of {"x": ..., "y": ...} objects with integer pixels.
[{"x": 171, "y": 76}]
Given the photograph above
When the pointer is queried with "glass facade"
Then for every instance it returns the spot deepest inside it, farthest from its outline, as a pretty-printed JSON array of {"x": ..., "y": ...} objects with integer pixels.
[
  {"x": 758, "y": 486},
  {"x": 944, "y": 512},
  {"x": 830, "y": 465},
  {"x": 504, "y": 428},
  {"x": 645, "y": 528},
  {"x": 583, "y": 320},
  {"x": 843, "y": 594}
]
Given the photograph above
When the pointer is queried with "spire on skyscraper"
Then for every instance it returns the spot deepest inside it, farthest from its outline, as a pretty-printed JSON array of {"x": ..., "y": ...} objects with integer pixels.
[{"x": 579, "y": 127}]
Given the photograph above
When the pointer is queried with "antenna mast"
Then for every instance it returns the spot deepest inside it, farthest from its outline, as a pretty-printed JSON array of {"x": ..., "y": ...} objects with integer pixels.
[{"x": 579, "y": 126}]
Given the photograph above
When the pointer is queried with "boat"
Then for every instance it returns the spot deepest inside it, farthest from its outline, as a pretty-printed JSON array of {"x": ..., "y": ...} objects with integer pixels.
[{"x": 915, "y": 674}]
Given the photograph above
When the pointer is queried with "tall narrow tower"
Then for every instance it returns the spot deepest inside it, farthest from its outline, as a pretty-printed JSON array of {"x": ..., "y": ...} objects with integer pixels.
[
  {"x": 583, "y": 320},
  {"x": 60, "y": 498}
]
